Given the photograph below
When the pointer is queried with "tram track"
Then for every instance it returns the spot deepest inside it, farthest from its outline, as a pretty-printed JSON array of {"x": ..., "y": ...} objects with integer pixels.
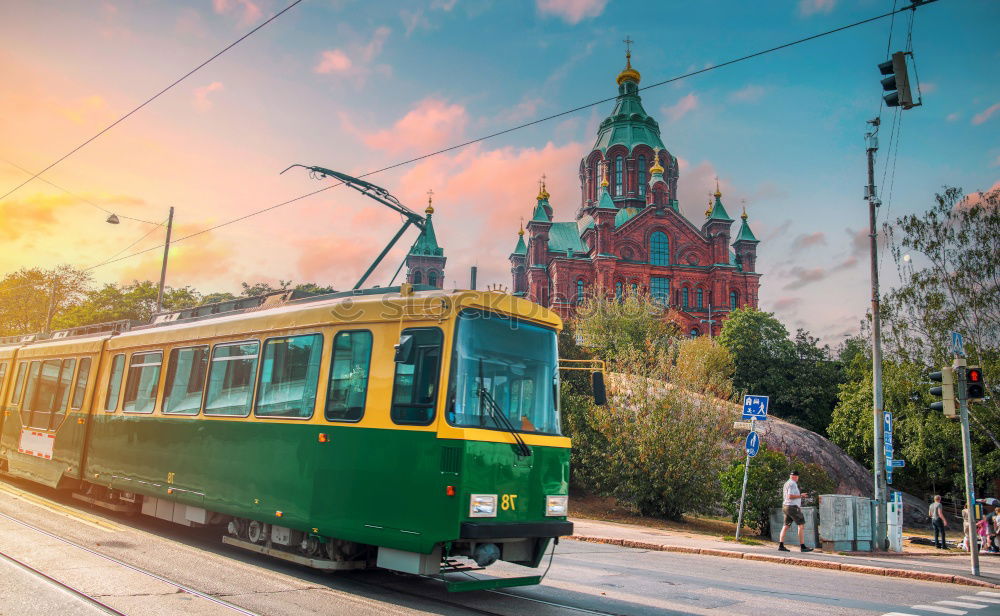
[{"x": 95, "y": 601}]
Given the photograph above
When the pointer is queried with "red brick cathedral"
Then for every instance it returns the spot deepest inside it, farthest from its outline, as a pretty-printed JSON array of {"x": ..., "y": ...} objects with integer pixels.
[{"x": 630, "y": 236}]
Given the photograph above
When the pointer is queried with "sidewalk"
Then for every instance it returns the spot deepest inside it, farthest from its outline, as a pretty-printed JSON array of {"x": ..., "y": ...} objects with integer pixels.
[{"x": 949, "y": 567}]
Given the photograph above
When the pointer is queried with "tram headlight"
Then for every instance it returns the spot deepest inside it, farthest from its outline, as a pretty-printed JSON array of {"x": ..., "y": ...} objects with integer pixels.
[
  {"x": 556, "y": 505},
  {"x": 483, "y": 506}
]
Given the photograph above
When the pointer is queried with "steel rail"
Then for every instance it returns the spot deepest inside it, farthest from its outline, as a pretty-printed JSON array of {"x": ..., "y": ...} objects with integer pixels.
[
  {"x": 94, "y": 601},
  {"x": 178, "y": 585}
]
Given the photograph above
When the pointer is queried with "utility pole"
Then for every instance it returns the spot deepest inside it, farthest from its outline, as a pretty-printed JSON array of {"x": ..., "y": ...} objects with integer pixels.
[
  {"x": 970, "y": 486},
  {"x": 878, "y": 433},
  {"x": 163, "y": 268}
]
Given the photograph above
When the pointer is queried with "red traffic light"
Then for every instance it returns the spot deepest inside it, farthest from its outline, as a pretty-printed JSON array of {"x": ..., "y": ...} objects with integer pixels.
[
  {"x": 975, "y": 387},
  {"x": 975, "y": 375}
]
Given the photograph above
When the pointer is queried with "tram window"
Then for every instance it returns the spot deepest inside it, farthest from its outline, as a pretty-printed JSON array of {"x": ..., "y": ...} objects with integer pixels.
[
  {"x": 345, "y": 397},
  {"x": 80, "y": 389},
  {"x": 15, "y": 396},
  {"x": 62, "y": 397},
  {"x": 142, "y": 382},
  {"x": 185, "y": 380},
  {"x": 45, "y": 394},
  {"x": 414, "y": 388},
  {"x": 29, "y": 391},
  {"x": 115, "y": 383},
  {"x": 289, "y": 375},
  {"x": 230, "y": 379},
  {"x": 3, "y": 373}
]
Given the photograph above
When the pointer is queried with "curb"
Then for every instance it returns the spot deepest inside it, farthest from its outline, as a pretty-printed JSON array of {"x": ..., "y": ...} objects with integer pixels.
[{"x": 799, "y": 562}]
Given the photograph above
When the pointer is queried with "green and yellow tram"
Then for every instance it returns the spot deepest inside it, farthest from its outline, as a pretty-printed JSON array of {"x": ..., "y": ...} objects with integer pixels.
[{"x": 409, "y": 428}]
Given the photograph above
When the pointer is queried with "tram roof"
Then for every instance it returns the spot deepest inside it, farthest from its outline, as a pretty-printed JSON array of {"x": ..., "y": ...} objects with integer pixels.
[{"x": 386, "y": 305}]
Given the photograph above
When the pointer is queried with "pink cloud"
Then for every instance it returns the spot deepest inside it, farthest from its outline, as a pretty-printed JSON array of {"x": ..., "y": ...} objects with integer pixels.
[
  {"x": 811, "y": 7},
  {"x": 201, "y": 100},
  {"x": 571, "y": 11},
  {"x": 682, "y": 107},
  {"x": 984, "y": 115},
  {"x": 333, "y": 61},
  {"x": 430, "y": 125},
  {"x": 250, "y": 12},
  {"x": 808, "y": 240},
  {"x": 996, "y": 162},
  {"x": 953, "y": 116},
  {"x": 749, "y": 94}
]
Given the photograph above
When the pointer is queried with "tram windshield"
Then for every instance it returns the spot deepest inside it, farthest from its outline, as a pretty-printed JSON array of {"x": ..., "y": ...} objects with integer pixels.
[{"x": 515, "y": 362}]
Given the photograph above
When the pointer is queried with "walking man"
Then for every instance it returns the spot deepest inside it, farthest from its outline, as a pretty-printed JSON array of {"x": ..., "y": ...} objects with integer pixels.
[
  {"x": 791, "y": 505},
  {"x": 938, "y": 521}
]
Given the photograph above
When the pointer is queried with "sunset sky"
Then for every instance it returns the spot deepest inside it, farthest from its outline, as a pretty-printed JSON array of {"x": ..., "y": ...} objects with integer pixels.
[{"x": 356, "y": 86}]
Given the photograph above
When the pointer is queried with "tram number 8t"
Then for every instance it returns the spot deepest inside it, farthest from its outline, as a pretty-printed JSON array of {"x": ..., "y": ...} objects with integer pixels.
[{"x": 508, "y": 502}]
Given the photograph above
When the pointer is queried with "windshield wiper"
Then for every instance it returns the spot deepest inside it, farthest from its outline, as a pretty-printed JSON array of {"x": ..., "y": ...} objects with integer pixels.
[{"x": 499, "y": 417}]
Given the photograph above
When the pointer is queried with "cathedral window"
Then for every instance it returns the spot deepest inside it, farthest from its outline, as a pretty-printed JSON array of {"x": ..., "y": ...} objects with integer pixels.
[
  {"x": 685, "y": 300},
  {"x": 432, "y": 279},
  {"x": 619, "y": 289},
  {"x": 694, "y": 332},
  {"x": 417, "y": 277},
  {"x": 642, "y": 176},
  {"x": 659, "y": 289},
  {"x": 734, "y": 300},
  {"x": 635, "y": 288},
  {"x": 619, "y": 163},
  {"x": 595, "y": 180},
  {"x": 579, "y": 290},
  {"x": 701, "y": 298},
  {"x": 659, "y": 249}
]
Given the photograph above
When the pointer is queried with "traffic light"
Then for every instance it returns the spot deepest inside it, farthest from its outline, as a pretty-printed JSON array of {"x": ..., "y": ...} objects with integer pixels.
[
  {"x": 897, "y": 84},
  {"x": 946, "y": 391},
  {"x": 975, "y": 388}
]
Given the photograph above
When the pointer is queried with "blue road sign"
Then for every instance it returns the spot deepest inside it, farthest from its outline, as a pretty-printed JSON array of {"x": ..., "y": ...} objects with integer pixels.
[
  {"x": 755, "y": 407},
  {"x": 887, "y": 438},
  {"x": 752, "y": 444},
  {"x": 957, "y": 344},
  {"x": 888, "y": 475},
  {"x": 898, "y": 463},
  {"x": 888, "y": 450},
  {"x": 887, "y": 421}
]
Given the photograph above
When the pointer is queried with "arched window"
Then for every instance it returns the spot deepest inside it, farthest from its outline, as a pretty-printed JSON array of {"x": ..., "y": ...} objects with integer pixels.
[
  {"x": 635, "y": 288},
  {"x": 659, "y": 290},
  {"x": 619, "y": 163},
  {"x": 619, "y": 290},
  {"x": 659, "y": 249},
  {"x": 694, "y": 332},
  {"x": 701, "y": 298},
  {"x": 734, "y": 300},
  {"x": 579, "y": 290},
  {"x": 417, "y": 277},
  {"x": 685, "y": 299},
  {"x": 432, "y": 279},
  {"x": 595, "y": 180},
  {"x": 642, "y": 176}
]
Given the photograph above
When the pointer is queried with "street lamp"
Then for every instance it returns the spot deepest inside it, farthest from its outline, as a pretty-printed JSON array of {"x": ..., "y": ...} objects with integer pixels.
[{"x": 113, "y": 220}]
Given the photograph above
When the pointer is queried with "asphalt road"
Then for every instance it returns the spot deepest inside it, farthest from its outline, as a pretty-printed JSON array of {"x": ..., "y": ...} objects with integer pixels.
[{"x": 584, "y": 578}]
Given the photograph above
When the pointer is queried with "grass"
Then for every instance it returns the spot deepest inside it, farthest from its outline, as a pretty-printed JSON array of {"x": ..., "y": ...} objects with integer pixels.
[{"x": 743, "y": 540}]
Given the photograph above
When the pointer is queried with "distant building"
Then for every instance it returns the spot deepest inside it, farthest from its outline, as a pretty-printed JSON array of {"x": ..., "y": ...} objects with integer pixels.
[
  {"x": 629, "y": 234},
  {"x": 425, "y": 261}
]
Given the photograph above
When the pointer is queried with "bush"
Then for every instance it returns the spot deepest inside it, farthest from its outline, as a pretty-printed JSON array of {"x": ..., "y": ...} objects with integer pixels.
[
  {"x": 654, "y": 447},
  {"x": 768, "y": 473}
]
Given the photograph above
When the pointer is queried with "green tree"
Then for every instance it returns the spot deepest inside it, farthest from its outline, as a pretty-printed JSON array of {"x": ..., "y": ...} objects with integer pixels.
[
  {"x": 800, "y": 376},
  {"x": 706, "y": 366},
  {"x": 135, "y": 301},
  {"x": 31, "y": 298},
  {"x": 610, "y": 328}
]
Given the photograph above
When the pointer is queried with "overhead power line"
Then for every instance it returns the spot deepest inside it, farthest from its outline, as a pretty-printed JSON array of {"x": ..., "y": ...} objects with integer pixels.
[
  {"x": 151, "y": 99},
  {"x": 73, "y": 194},
  {"x": 522, "y": 126}
]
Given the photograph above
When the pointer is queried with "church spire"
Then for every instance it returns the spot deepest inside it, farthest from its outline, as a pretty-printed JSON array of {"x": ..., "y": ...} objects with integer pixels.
[{"x": 628, "y": 73}]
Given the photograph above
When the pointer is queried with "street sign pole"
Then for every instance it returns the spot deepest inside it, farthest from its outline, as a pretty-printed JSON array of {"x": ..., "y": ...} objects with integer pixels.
[
  {"x": 970, "y": 486},
  {"x": 743, "y": 493}
]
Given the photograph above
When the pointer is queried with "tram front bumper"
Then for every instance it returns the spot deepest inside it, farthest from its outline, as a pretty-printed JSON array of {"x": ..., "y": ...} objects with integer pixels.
[{"x": 509, "y": 530}]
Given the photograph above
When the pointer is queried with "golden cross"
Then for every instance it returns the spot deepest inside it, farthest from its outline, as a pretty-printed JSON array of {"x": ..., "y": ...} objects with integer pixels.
[
  {"x": 628, "y": 45},
  {"x": 430, "y": 195}
]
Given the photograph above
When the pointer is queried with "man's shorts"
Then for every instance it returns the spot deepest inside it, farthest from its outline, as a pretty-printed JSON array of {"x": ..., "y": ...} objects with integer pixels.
[{"x": 793, "y": 513}]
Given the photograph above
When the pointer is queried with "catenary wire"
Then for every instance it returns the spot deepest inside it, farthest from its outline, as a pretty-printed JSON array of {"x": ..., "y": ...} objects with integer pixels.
[
  {"x": 152, "y": 98},
  {"x": 517, "y": 127},
  {"x": 73, "y": 194}
]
